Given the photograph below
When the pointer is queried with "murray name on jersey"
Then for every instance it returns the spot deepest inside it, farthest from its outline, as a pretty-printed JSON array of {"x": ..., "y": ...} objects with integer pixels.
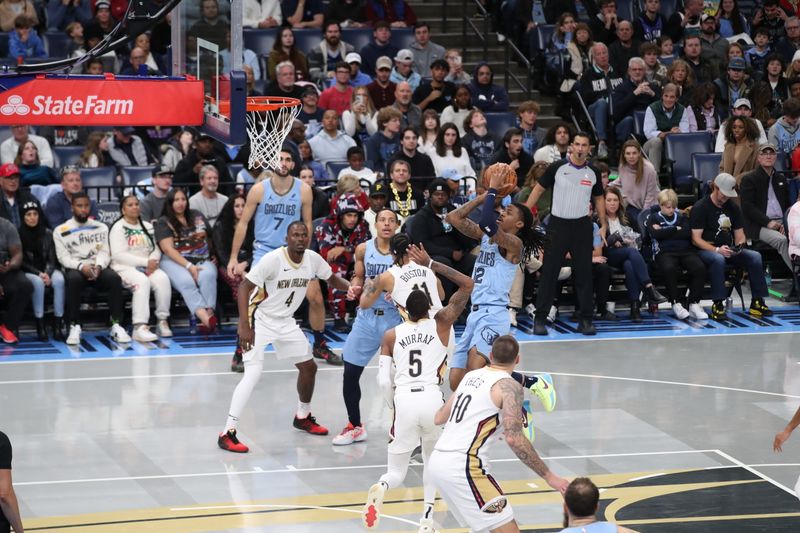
[{"x": 415, "y": 338}]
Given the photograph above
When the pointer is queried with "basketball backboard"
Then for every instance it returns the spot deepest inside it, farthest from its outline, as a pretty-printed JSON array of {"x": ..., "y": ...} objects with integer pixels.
[{"x": 207, "y": 44}]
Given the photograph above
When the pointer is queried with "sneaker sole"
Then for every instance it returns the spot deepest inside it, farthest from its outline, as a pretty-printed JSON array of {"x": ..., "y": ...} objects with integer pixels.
[
  {"x": 231, "y": 449},
  {"x": 528, "y": 429},
  {"x": 550, "y": 391},
  {"x": 371, "y": 515}
]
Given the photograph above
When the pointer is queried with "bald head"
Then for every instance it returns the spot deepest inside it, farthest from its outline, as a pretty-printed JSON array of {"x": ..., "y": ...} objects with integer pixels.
[
  {"x": 600, "y": 55},
  {"x": 403, "y": 93}
]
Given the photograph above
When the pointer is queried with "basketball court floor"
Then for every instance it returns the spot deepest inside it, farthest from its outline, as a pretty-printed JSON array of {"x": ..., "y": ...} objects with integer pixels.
[{"x": 675, "y": 425}]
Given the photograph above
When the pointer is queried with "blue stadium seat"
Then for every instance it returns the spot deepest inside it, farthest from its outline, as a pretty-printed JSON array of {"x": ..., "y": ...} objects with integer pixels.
[
  {"x": 134, "y": 174},
  {"x": 67, "y": 155},
  {"x": 626, "y": 9},
  {"x": 678, "y": 148},
  {"x": 56, "y": 42},
  {"x": 499, "y": 123},
  {"x": 234, "y": 169},
  {"x": 705, "y": 167},
  {"x": 260, "y": 41},
  {"x": 544, "y": 34},
  {"x": 334, "y": 167},
  {"x": 638, "y": 124},
  {"x": 305, "y": 40},
  {"x": 358, "y": 37},
  {"x": 402, "y": 37},
  {"x": 100, "y": 182}
]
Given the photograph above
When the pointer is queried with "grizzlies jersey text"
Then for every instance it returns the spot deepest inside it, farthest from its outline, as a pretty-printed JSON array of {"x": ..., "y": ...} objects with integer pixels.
[
  {"x": 375, "y": 264},
  {"x": 274, "y": 214},
  {"x": 493, "y": 275}
]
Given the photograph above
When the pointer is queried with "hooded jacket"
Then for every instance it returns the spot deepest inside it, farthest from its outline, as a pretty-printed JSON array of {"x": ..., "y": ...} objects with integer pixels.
[
  {"x": 330, "y": 233},
  {"x": 784, "y": 136},
  {"x": 487, "y": 97}
]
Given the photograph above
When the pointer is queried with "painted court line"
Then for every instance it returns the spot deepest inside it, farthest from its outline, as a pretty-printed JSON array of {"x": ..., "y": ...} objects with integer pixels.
[
  {"x": 752, "y": 470},
  {"x": 327, "y": 469}
]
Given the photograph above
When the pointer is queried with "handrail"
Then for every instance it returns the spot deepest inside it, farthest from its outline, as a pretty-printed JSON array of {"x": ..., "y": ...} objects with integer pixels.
[
  {"x": 512, "y": 50},
  {"x": 467, "y": 21}
]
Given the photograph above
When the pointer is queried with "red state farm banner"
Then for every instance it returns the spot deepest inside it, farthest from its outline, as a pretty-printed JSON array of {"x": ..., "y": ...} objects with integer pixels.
[{"x": 103, "y": 102}]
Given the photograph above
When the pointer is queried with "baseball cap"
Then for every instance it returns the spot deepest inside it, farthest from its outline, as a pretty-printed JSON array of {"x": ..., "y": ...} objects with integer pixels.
[
  {"x": 383, "y": 62},
  {"x": 352, "y": 57},
  {"x": 163, "y": 170},
  {"x": 9, "y": 169},
  {"x": 309, "y": 90},
  {"x": 438, "y": 185},
  {"x": 726, "y": 183},
  {"x": 204, "y": 136},
  {"x": 766, "y": 146},
  {"x": 126, "y": 130},
  {"x": 451, "y": 174},
  {"x": 742, "y": 102},
  {"x": 102, "y": 4},
  {"x": 378, "y": 189},
  {"x": 405, "y": 55},
  {"x": 705, "y": 17},
  {"x": 737, "y": 63}
]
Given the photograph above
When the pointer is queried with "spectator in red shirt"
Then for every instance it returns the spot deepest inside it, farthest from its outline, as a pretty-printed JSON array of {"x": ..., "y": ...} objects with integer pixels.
[{"x": 338, "y": 96}]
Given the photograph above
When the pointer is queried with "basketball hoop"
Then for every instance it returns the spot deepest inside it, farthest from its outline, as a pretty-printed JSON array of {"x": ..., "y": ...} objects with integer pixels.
[{"x": 269, "y": 119}]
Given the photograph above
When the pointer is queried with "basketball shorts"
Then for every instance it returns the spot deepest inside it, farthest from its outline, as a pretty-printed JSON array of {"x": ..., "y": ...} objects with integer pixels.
[
  {"x": 471, "y": 493},
  {"x": 285, "y": 336},
  {"x": 364, "y": 339},
  {"x": 483, "y": 326},
  {"x": 414, "y": 410}
]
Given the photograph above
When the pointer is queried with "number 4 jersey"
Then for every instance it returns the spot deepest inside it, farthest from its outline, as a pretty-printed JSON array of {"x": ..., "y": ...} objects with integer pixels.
[
  {"x": 281, "y": 284},
  {"x": 474, "y": 417},
  {"x": 419, "y": 356}
]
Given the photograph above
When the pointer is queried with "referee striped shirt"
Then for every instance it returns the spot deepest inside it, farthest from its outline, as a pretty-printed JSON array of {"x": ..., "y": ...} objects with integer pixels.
[{"x": 573, "y": 188}]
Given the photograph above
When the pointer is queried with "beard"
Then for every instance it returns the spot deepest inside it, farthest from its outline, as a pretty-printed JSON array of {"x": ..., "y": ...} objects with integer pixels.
[{"x": 81, "y": 219}]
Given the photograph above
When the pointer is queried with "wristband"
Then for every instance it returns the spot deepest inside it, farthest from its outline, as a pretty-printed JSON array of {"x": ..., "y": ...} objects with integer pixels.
[
  {"x": 430, "y": 263},
  {"x": 492, "y": 192},
  {"x": 188, "y": 265}
]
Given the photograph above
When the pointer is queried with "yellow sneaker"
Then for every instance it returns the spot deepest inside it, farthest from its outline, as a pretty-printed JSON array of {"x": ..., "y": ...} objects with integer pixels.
[{"x": 545, "y": 391}]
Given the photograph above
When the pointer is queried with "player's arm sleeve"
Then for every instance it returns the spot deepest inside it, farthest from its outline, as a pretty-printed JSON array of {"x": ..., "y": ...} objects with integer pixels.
[{"x": 385, "y": 378}]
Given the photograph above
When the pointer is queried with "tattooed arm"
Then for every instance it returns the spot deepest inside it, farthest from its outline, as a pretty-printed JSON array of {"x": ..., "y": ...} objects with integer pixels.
[
  {"x": 509, "y": 394},
  {"x": 459, "y": 220},
  {"x": 373, "y": 288}
]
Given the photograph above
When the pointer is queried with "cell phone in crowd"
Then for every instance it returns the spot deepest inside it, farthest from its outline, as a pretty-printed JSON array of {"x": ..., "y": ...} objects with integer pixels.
[{"x": 359, "y": 98}]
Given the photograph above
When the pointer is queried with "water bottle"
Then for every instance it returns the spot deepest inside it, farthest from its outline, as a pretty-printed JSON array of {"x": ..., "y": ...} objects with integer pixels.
[
  {"x": 192, "y": 325},
  {"x": 728, "y": 304},
  {"x": 538, "y": 12},
  {"x": 768, "y": 275}
]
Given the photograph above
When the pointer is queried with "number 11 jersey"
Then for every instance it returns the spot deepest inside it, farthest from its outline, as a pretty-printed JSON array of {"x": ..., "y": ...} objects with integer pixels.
[{"x": 412, "y": 277}]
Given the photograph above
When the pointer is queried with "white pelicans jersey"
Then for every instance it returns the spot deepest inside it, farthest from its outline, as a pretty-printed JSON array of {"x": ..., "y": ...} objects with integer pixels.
[
  {"x": 412, "y": 277},
  {"x": 419, "y": 356},
  {"x": 281, "y": 284}
]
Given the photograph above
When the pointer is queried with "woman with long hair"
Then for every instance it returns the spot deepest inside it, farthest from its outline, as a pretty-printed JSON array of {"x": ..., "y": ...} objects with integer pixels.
[
  {"x": 31, "y": 170},
  {"x": 177, "y": 147},
  {"x": 184, "y": 238},
  {"x": 449, "y": 153},
  {"x": 621, "y": 253},
  {"x": 680, "y": 73},
  {"x": 741, "y": 147},
  {"x": 428, "y": 131},
  {"x": 96, "y": 152},
  {"x": 730, "y": 19},
  {"x": 704, "y": 109},
  {"x": 136, "y": 257},
  {"x": 564, "y": 31},
  {"x": 223, "y": 238},
  {"x": 556, "y": 143},
  {"x": 580, "y": 53},
  {"x": 458, "y": 109},
  {"x": 359, "y": 121},
  {"x": 793, "y": 70},
  {"x": 285, "y": 49},
  {"x": 39, "y": 263},
  {"x": 638, "y": 180}
]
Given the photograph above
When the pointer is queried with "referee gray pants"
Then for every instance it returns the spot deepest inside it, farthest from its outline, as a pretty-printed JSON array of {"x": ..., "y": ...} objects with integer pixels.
[{"x": 573, "y": 236}]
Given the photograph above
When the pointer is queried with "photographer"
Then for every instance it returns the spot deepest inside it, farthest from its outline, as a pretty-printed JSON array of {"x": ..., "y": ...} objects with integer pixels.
[
  {"x": 717, "y": 231},
  {"x": 188, "y": 169}
]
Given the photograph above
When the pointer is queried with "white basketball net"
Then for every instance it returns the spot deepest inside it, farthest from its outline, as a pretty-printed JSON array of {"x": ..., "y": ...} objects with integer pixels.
[{"x": 267, "y": 131}]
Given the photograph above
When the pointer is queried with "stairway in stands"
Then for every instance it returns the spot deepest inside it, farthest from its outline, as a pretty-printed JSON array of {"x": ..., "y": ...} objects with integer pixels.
[{"x": 450, "y": 36}]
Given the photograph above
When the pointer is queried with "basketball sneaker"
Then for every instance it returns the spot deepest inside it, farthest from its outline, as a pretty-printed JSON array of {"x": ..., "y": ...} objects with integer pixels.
[
  {"x": 545, "y": 391},
  {"x": 759, "y": 309},
  {"x": 371, "y": 515},
  {"x": 162, "y": 328},
  {"x": 426, "y": 526},
  {"x": 228, "y": 441},
  {"x": 323, "y": 351},
  {"x": 679, "y": 311},
  {"x": 309, "y": 425},
  {"x": 74, "y": 336},
  {"x": 718, "y": 310},
  {"x": 118, "y": 334},
  {"x": 7, "y": 335},
  {"x": 697, "y": 312},
  {"x": 142, "y": 333},
  {"x": 349, "y": 435},
  {"x": 527, "y": 421}
]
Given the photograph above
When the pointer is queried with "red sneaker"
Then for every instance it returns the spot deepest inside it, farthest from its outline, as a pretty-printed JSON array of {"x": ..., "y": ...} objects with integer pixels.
[
  {"x": 229, "y": 442},
  {"x": 211, "y": 328},
  {"x": 309, "y": 425},
  {"x": 7, "y": 335}
]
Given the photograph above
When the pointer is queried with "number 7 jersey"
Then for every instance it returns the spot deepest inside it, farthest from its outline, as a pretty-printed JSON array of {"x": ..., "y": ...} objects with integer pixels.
[
  {"x": 419, "y": 356},
  {"x": 281, "y": 284}
]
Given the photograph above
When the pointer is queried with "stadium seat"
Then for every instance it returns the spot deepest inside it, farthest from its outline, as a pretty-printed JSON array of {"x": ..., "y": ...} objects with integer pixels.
[
  {"x": 638, "y": 125},
  {"x": 705, "y": 167},
  {"x": 234, "y": 169},
  {"x": 334, "y": 167},
  {"x": 499, "y": 123},
  {"x": 668, "y": 7},
  {"x": 260, "y": 41},
  {"x": 626, "y": 10},
  {"x": 56, "y": 42},
  {"x": 358, "y": 37},
  {"x": 402, "y": 37},
  {"x": 134, "y": 174},
  {"x": 678, "y": 148},
  {"x": 305, "y": 40},
  {"x": 544, "y": 34},
  {"x": 100, "y": 182},
  {"x": 67, "y": 155}
]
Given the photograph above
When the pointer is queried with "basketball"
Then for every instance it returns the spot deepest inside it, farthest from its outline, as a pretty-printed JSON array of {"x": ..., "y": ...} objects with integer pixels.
[{"x": 508, "y": 173}]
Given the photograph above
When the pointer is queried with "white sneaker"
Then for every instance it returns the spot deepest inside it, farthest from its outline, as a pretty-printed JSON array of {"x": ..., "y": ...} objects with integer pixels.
[
  {"x": 697, "y": 312},
  {"x": 680, "y": 312},
  {"x": 142, "y": 333},
  {"x": 530, "y": 309},
  {"x": 118, "y": 334},
  {"x": 74, "y": 337},
  {"x": 349, "y": 435},
  {"x": 512, "y": 316},
  {"x": 551, "y": 316},
  {"x": 501, "y": 38},
  {"x": 371, "y": 514},
  {"x": 426, "y": 526},
  {"x": 162, "y": 328}
]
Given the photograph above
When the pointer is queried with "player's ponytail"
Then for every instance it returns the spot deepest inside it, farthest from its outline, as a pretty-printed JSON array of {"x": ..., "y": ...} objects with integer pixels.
[
  {"x": 398, "y": 245},
  {"x": 532, "y": 239}
]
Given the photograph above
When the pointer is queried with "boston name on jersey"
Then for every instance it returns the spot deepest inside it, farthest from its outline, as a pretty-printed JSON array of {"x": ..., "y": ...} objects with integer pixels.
[{"x": 409, "y": 275}]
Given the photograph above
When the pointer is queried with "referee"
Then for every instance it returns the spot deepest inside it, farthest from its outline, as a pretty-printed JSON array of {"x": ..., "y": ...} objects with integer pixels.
[{"x": 574, "y": 182}]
